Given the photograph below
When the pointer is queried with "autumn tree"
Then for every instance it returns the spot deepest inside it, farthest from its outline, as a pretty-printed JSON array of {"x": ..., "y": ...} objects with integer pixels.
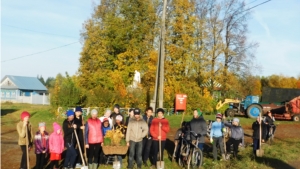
[{"x": 117, "y": 40}]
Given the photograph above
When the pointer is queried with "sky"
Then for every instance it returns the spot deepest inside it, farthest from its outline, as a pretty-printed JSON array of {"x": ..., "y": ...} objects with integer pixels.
[{"x": 31, "y": 26}]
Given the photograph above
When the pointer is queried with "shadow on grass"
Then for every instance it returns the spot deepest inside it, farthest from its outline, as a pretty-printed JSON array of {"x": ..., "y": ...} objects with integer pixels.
[
  {"x": 274, "y": 163},
  {"x": 7, "y": 111}
]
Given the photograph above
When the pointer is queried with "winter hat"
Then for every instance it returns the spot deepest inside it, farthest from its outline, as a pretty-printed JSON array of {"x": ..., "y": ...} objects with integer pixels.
[
  {"x": 219, "y": 115},
  {"x": 78, "y": 108},
  {"x": 105, "y": 119},
  {"x": 56, "y": 126},
  {"x": 117, "y": 106},
  {"x": 236, "y": 120},
  {"x": 42, "y": 124},
  {"x": 199, "y": 112},
  {"x": 137, "y": 111},
  {"x": 24, "y": 114},
  {"x": 107, "y": 113},
  {"x": 119, "y": 117},
  {"x": 70, "y": 113},
  {"x": 94, "y": 111},
  {"x": 161, "y": 110}
]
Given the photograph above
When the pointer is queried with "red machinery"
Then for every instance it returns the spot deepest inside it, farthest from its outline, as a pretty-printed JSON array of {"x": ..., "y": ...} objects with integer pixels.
[{"x": 290, "y": 111}]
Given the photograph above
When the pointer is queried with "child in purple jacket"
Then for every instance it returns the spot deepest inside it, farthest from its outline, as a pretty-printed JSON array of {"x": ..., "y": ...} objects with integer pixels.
[{"x": 41, "y": 142}]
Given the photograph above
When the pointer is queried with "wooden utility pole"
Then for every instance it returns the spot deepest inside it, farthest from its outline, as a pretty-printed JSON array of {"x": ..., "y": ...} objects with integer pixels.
[
  {"x": 162, "y": 56},
  {"x": 159, "y": 80}
]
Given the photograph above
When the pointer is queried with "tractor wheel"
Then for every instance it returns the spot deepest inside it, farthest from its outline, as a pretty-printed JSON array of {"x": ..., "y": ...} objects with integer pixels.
[
  {"x": 296, "y": 118},
  {"x": 254, "y": 110},
  {"x": 230, "y": 113}
]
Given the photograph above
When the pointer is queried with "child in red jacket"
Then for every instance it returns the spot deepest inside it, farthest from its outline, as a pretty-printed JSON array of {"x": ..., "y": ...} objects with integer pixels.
[
  {"x": 158, "y": 130},
  {"x": 56, "y": 145}
]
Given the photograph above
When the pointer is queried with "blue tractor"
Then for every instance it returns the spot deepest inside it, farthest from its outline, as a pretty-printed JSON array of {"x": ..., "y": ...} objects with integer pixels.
[{"x": 249, "y": 106}]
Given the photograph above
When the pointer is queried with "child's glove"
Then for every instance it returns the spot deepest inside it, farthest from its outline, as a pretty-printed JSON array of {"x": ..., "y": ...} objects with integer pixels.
[
  {"x": 211, "y": 140},
  {"x": 224, "y": 129}
]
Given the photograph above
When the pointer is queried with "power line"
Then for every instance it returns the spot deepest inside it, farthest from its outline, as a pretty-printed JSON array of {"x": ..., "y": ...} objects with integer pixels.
[
  {"x": 251, "y": 2},
  {"x": 37, "y": 31},
  {"x": 254, "y": 6},
  {"x": 39, "y": 52}
]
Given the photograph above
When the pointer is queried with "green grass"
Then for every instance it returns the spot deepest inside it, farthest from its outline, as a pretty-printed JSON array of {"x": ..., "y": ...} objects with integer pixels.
[
  {"x": 10, "y": 115},
  {"x": 275, "y": 156}
]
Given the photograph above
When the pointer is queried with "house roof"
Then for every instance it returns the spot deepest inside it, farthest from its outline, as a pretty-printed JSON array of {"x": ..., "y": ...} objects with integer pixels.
[{"x": 25, "y": 83}]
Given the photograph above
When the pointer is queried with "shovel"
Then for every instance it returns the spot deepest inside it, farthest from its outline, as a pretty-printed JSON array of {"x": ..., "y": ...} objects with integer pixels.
[
  {"x": 175, "y": 149},
  {"x": 85, "y": 157},
  {"x": 83, "y": 162},
  {"x": 260, "y": 151},
  {"x": 27, "y": 147},
  {"x": 160, "y": 164}
]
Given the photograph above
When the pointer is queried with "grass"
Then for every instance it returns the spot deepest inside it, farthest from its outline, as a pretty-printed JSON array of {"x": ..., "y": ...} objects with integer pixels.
[{"x": 275, "y": 156}]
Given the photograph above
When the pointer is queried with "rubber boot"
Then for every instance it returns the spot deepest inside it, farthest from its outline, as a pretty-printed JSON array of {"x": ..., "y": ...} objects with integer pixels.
[
  {"x": 90, "y": 166},
  {"x": 95, "y": 165},
  {"x": 224, "y": 157}
]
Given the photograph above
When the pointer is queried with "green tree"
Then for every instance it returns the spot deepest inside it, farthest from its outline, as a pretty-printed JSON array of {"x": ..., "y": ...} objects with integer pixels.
[{"x": 117, "y": 41}]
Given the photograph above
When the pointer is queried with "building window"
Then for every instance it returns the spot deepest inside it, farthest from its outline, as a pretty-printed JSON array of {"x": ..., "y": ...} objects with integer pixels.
[
  {"x": 13, "y": 94},
  {"x": 7, "y": 94}
]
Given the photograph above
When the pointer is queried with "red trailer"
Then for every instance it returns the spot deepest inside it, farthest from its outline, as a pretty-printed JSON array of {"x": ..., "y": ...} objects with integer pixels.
[{"x": 289, "y": 111}]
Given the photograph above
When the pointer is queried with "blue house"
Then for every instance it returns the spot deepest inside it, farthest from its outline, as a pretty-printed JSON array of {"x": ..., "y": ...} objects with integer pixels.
[{"x": 20, "y": 89}]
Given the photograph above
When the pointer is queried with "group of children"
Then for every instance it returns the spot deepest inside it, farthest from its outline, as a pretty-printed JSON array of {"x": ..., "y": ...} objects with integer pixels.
[
  {"x": 220, "y": 127},
  {"x": 52, "y": 144},
  {"x": 142, "y": 134},
  {"x": 216, "y": 135}
]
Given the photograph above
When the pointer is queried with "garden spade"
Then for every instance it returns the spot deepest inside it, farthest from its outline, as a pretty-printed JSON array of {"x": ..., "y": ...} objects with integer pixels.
[
  {"x": 27, "y": 147},
  {"x": 83, "y": 162},
  {"x": 260, "y": 151},
  {"x": 160, "y": 164}
]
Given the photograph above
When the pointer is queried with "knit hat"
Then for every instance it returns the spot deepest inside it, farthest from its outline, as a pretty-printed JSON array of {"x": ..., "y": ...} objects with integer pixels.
[
  {"x": 137, "y": 111},
  {"x": 119, "y": 117},
  {"x": 24, "y": 114},
  {"x": 161, "y": 110},
  {"x": 42, "y": 124},
  {"x": 78, "y": 108},
  {"x": 117, "y": 106},
  {"x": 56, "y": 127},
  {"x": 199, "y": 112},
  {"x": 219, "y": 115},
  {"x": 105, "y": 119},
  {"x": 107, "y": 113},
  {"x": 70, "y": 113},
  {"x": 94, "y": 111},
  {"x": 236, "y": 120}
]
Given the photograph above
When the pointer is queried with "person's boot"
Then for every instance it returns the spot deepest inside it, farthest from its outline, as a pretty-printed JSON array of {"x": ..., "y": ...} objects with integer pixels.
[
  {"x": 145, "y": 163},
  {"x": 90, "y": 166},
  {"x": 95, "y": 165},
  {"x": 224, "y": 157}
]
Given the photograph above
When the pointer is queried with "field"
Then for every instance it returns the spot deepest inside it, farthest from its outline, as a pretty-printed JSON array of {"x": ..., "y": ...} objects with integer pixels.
[{"x": 284, "y": 153}]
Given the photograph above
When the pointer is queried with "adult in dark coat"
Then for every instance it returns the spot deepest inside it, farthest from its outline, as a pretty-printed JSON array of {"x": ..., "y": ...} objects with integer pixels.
[
  {"x": 80, "y": 127},
  {"x": 69, "y": 139},
  {"x": 255, "y": 128},
  {"x": 147, "y": 141},
  {"x": 269, "y": 120},
  {"x": 199, "y": 126}
]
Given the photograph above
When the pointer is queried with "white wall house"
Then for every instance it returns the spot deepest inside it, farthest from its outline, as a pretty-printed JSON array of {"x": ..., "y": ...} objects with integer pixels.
[{"x": 20, "y": 89}]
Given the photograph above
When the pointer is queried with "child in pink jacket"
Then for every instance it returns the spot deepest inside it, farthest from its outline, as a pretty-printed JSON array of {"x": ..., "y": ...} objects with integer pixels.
[{"x": 56, "y": 145}]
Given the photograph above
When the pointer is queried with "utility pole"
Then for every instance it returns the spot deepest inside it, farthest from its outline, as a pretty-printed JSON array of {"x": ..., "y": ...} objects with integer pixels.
[
  {"x": 159, "y": 80},
  {"x": 162, "y": 57}
]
